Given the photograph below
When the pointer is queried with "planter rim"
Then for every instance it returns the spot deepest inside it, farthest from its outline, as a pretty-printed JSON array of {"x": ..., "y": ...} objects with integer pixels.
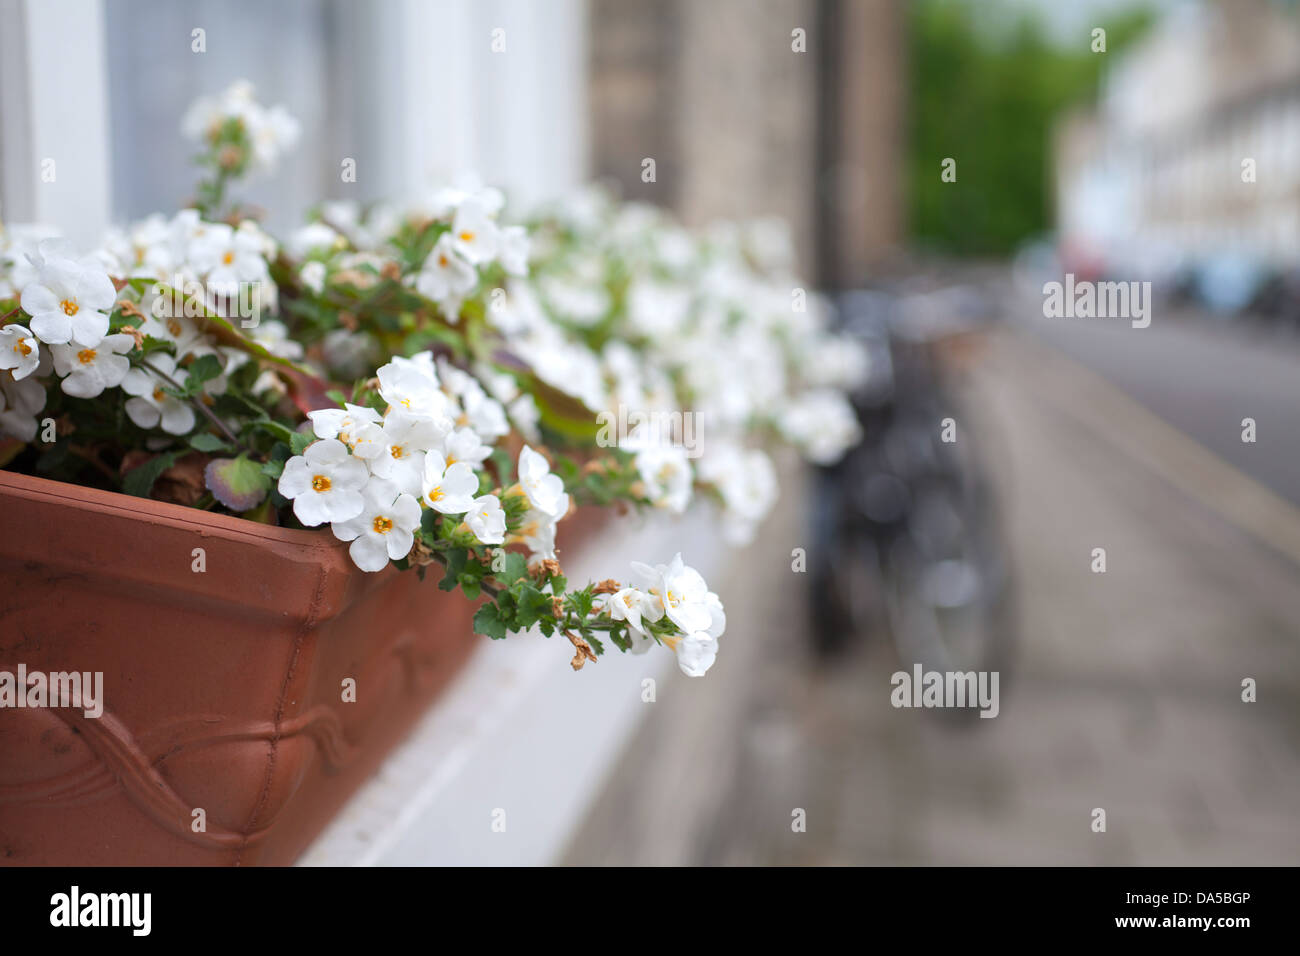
[{"x": 96, "y": 499}]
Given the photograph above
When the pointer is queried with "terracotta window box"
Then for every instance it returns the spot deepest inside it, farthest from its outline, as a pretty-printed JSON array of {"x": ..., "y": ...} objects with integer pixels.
[{"x": 223, "y": 690}]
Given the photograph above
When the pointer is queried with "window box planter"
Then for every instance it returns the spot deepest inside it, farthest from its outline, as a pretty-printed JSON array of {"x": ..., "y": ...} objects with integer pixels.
[{"x": 223, "y": 689}]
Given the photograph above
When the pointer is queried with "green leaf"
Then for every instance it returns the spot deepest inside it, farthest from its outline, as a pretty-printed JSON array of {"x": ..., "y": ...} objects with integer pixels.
[
  {"x": 299, "y": 441},
  {"x": 274, "y": 468},
  {"x": 238, "y": 483},
  {"x": 516, "y": 568},
  {"x": 488, "y": 621},
  {"x": 531, "y": 605},
  {"x": 281, "y": 432},
  {"x": 579, "y": 602},
  {"x": 564, "y": 414},
  {"x": 203, "y": 369},
  {"x": 455, "y": 565},
  {"x": 140, "y": 479},
  {"x": 206, "y": 441}
]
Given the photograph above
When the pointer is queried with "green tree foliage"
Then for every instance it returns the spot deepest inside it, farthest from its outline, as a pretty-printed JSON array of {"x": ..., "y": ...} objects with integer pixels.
[{"x": 987, "y": 83}]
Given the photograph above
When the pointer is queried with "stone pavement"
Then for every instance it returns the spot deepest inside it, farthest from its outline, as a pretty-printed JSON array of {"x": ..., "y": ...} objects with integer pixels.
[{"x": 1126, "y": 693}]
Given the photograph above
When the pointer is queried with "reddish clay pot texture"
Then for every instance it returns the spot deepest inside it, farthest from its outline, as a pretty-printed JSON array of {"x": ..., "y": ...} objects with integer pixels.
[{"x": 222, "y": 689}]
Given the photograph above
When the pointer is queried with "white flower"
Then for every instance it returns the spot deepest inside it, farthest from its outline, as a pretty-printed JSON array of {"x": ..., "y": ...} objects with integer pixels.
[
  {"x": 682, "y": 592},
  {"x": 270, "y": 132},
  {"x": 354, "y": 425},
  {"x": 20, "y": 255},
  {"x": 537, "y": 532},
  {"x": 513, "y": 252},
  {"x": 19, "y": 351},
  {"x": 822, "y": 423},
  {"x": 145, "y": 249},
  {"x": 324, "y": 482},
  {"x": 545, "y": 491},
  {"x": 484, "y": 414},
  {"x": 409, "y": 438},
  {"x": 525, "y": 416},
  {"x": 153, "y": 406},
  {"x": 421, "y": 362},
  {"x": 89, "y": 371},
  {"x": 162, "y": 323},
  {"x": 631, "y": 605},
  {"x": 696, "y": 653},
  {"x": 408, "y": 387},
  {"x": 666, "y": 472},
  {"x": 384, "y": 529},
  {"x": 446, "y": 277},
  {"x": 447, "y": 199},
  {"x": 69, "y": 302},
  {"x": 474, "y": 235},
  {"x": 273, "y": 335},
  {"x": 657, "y": 310},
  {"x": 581, "y": 303},
  {"x": 448, "y": 488},
  {"x": 464, "y": 445},
  {"x": 313, "y": 275},
  {"x": 458, "y": 382},
  {"x": 486, "y": 519},
  {"x": 834, "y": 361},
  {"x": 273, "y": 133},
  {"x": 19, "y": 404},
  {"x": 229, "y": 256},
  {"x": 746, "y": 479},
  {"x": 313, "y": 237}
]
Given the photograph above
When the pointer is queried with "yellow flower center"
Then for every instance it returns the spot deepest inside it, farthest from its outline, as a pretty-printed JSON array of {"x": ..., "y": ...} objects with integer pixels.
[
  {"x": 159, "y": 394},
  {"x": 397, "y": 451},
  {"x": 23, "y": 349},
  {"x": 174, "y": 327},
  {"x": 86, "y": 356},
  {"x": 320, "y": 483},
  {"x": 467, "y": 237},
  {"x": 435, "y": 493},
  {"x": 382, "y": 525},
  {"x": 70, "y": 307},
  {"x": 228, "y": 258},
  {"x": 442, "y": 261}
]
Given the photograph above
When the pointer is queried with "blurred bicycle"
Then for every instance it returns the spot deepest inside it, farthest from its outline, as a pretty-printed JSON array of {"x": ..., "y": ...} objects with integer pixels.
[{"x": 906, "y": 533}]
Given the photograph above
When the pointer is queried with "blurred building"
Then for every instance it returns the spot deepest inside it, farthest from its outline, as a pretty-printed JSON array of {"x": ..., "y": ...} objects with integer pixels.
[
  {"x": 789, "y": 108},
  {"x": 1194, "y": 150}
]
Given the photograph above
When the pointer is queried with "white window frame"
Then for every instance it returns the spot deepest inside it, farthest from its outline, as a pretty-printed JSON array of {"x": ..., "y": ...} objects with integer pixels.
[
  {"x": 55, "y": 116},
  {"x": 437, "y": 105}
]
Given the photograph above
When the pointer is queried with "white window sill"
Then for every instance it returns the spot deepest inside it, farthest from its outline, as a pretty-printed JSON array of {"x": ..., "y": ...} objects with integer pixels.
[{"x": 519, "y": 732}]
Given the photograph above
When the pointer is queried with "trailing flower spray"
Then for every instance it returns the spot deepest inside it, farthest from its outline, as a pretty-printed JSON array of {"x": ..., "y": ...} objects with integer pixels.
[{"x": 433, "y": 384}]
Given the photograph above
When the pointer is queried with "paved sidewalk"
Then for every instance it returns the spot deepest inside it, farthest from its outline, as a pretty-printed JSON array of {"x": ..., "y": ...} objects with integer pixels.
[{"x": 1126, "y": 694}]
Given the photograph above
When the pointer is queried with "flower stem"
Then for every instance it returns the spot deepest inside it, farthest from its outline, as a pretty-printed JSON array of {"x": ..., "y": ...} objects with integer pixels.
[{"x": 197, "y": 403}]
